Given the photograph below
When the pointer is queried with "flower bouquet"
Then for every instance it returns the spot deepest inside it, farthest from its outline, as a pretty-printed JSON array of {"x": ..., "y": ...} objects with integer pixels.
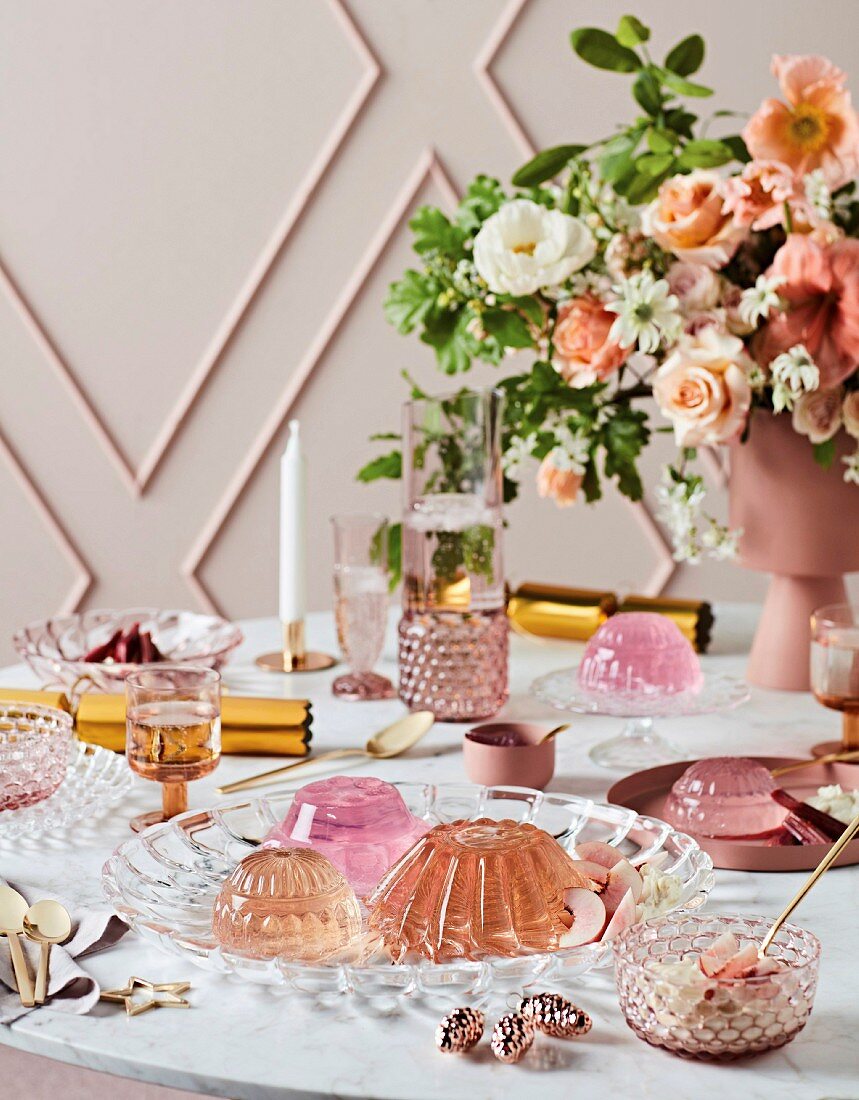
[{"x": 717, "y": 275}]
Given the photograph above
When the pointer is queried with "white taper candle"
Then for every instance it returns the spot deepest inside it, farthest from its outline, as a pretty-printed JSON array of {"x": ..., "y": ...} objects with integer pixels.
[{"x": 293, "y": 529}]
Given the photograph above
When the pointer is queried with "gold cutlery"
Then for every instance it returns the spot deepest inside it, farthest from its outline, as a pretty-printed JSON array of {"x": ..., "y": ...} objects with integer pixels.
[
  {"x": 46, "y": 923},
  {"x": 829, "y": 758},
  {"x": 13, "y": 906}
]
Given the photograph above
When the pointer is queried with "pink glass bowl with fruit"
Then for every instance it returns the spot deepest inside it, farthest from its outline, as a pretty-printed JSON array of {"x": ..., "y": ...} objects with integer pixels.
[
  {"x": 361, "y": 824},
  {"x": 35, "y": 748},
  {"x": 100, "y": 647},
  {"x": 696, "y": 985}
]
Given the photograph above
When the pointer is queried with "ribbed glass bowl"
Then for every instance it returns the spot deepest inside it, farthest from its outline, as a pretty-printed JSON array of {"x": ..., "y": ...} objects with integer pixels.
[
  {"x": 54, "y": 648},
  {"x": 164, "y": 882}
]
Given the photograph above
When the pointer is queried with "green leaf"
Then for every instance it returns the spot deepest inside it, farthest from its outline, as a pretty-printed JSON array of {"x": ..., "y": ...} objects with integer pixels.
[
  {"x": 738, "y": 147},
  {"x": 824, "y": 453},
  {"x": 432, "y": 230},
  {"x": 546, "y": 165},
  {"x": 409, "y": 300},
  {"x": 705, "y": 153},
  {"x": 654, "y": 164},
  {"x": 684, "y": 87},
  {"x": 509, "y": 328},
  {"x": 631, "y": 31},
  {"x": 643, "y": 188},
  {"x": 389, "y": 465},
  {"x": 384, "y": 437},
  {"x": 660, "y": 140},
  {"x": 483, "y": 197},
  {"x": 681, "y": 121},
  {"x": 417, "y": 394},
  {"x": 478, "y": 546},
  {"x": 602, "y": 50},
  {"x": 687, "y": 56},
  {"x": 647, "y": 92},
  {"x": 529, "y": 305},
  {"x": 591, "y": 481},
  {"x": 616, "y": 162},
  {"x": 447, "y": 332},
  {"x": 395, "y": 554}
]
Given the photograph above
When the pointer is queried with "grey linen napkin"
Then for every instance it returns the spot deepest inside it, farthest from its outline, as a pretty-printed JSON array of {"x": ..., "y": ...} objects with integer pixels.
[{"x": 70, "y": 989}]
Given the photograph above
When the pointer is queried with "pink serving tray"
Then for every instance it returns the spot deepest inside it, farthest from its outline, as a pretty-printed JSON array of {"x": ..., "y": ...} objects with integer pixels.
[{"x": 646, "y": 792}]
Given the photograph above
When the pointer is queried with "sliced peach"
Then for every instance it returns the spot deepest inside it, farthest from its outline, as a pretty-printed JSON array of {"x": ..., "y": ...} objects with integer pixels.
[
  {"x": 623, "y": 917},
  {"x": 740, "y": 965},
  {"x": 598, "y": 852},
  {"x": 718, "y": 953},
  {"x": 589, "y": 917},
  {"x": 595, "y": 871},
  {"x": 622, "y": 877}
]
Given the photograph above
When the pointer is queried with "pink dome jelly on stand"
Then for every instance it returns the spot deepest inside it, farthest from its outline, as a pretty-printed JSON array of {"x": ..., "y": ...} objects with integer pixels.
[
  {"x": 360, "y": 823},
  {"x": 725, "y": 796},
  {"x": 640, "y": 653}
]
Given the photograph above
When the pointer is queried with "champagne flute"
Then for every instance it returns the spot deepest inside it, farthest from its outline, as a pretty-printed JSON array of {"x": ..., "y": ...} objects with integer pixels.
[
  {"x": 361, "y": 602},
  {"x": 172, "y": 731}
]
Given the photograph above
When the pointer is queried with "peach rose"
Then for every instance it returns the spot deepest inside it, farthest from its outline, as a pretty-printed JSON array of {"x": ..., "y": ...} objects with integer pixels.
[
  {"x": 703, "y": 388},
  {"x": 850, "y": 413},
  {"x": 687, "y": 218},
  {"x": 581, "y": 339},
  {"x": 821, "y": 288},
  {"x": 816, "y": 128},
  {"x": 755, "y": 198},
  {"x": 558, "y": 484},
  {"x": 818, "y": 414},
  {"x": 696, "y": 286}
]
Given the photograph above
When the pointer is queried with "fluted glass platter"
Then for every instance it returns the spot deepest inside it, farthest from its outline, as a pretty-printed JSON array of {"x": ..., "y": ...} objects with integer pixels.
[
  {"x": 164, "y": 883},
  {"x": 95, "y": 779}
]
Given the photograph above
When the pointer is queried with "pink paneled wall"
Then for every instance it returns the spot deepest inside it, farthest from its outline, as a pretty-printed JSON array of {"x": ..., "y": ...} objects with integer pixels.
[{"x": 201, "y": 205}]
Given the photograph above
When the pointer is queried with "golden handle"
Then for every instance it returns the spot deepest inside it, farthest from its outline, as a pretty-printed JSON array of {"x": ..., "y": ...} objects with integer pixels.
[
  {"x": 42, "y": 973},
  {"x": 830, "y": 758},
  {"x": 22, "y": 974},
  {"x": 824, "y": 865},
  {"x": 269, "y": 777}
]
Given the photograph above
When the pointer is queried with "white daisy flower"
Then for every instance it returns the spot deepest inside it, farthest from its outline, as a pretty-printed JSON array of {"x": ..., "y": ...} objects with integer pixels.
[
  {"x": 758, "y": 301},
  {"x": 647, "y": 312},
  {"x": 794, "y": 373}
]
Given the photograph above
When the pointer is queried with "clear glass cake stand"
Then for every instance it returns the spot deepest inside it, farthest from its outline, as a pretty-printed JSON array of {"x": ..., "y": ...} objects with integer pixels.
[{"x": 638, "y": 745}]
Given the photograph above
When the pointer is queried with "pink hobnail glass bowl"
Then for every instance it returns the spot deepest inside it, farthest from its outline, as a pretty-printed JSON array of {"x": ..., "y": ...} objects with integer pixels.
[
  {"x": 35, "y": 746},
  {"x": 54, "y": 648},
  {"x": 719, "y": 1019}
]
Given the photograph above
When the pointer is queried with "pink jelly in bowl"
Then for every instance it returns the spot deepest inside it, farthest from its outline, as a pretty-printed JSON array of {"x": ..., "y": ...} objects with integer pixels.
[
  {"x": 640, "y": 653},
  {"x": 361, "y": 824},
  {"x": 724, "y": 796}
]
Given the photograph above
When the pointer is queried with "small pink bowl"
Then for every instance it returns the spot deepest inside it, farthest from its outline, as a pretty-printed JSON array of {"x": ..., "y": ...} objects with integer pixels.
[{"x": 499, "y": 754}]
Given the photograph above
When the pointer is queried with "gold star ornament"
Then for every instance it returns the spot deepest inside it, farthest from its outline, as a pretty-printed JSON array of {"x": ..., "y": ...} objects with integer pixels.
[{"x": 157, "y": 995}]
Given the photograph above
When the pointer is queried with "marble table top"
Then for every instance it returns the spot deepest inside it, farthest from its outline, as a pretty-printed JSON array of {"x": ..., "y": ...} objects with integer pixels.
[{"x": 248, "y": 1043}]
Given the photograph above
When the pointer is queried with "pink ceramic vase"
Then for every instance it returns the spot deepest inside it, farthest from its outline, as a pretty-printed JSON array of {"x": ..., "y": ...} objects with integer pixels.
[{"x": 801, "y": 524}]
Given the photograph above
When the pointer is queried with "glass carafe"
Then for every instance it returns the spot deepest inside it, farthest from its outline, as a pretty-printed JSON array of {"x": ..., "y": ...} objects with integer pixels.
[{"x": 453, "y": 633}]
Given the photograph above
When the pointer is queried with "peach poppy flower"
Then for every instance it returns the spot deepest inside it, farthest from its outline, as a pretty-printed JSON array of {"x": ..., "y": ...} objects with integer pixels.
[
  {"x": 558, "y": 484},
  {"x": 822, "y": 291},
  {"x": 816, "y": 128}
]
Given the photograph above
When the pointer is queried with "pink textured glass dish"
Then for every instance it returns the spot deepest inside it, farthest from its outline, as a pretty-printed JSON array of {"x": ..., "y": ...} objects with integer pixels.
[
  {"x": 720, "y": 1018},
  {"x": 286, "y": 902},
  {"x": 474, "y": 888},
  {"x": 360, "y": 823},
  {"x": 35, "y": 750},
  {"x": 640, "y": 653},
  {"x": 725, "y": 796}
]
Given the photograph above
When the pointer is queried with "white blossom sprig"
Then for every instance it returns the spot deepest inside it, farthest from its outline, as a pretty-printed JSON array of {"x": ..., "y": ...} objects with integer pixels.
[{"x": 794, "y": 373}]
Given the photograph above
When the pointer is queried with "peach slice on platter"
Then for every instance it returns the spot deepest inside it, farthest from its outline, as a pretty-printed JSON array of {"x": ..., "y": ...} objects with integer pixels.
[
  {"x": 595, "y": 871},
  {"x": 598, "y": 852},
  {"x": 588, "y": 917},
  {"x": 622, "y": 877},
  {"x": 623, "y": 917}
]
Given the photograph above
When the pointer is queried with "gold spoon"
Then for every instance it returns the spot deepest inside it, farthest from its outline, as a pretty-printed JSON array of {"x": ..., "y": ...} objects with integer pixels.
[
  {"x": 13, "y": 906},
  {"x": 830, "y": 758},
  {"x": 45, "y": 923},
  {"x": 824, "y": 865},
  {"x": 391, "y": 741},
  {"x": 553, "y": 733}
]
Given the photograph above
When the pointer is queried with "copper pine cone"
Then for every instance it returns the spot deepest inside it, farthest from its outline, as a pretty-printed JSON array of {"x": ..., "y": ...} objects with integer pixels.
[
  {"x": 459, "y": 1030},
  {"x": 512, "y": 1037},
  {"x": 555, "y": 1015}
]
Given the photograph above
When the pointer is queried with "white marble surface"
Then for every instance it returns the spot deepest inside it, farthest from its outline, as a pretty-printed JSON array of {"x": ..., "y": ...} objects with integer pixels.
[{"x": 243, "y": 1042}]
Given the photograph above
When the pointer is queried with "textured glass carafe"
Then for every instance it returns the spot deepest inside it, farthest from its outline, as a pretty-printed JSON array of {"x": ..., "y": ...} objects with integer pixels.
[{"x": 453, "y": 633}]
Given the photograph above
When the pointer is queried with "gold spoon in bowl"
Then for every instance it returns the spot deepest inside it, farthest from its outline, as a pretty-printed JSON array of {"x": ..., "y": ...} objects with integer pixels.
[
  {"x": 553, "y": 733},
  {"x": 45, "y": 923},
  {"x": 393, "y": 740},
  {"x": 13, "y": 907}
]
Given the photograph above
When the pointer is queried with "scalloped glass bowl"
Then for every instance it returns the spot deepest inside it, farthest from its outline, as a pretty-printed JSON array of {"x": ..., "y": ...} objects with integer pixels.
[
  {"x": 164, "y": 883},
  {"x": 35, "y": 745},
  {"x": 720, "y": 1019},
  {"x": 54, "y": 648}
]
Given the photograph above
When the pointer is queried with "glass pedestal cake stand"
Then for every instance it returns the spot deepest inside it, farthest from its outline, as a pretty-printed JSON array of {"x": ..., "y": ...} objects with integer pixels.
[
  {"x": 638, "y": 745},
  {"x": 164, "y": 882}
]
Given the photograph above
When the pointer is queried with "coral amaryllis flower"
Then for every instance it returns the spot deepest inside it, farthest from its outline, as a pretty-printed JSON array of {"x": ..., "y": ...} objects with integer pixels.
[
  {"x": 816, "y": 128},
  {"x": 821, "y": 288}
]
